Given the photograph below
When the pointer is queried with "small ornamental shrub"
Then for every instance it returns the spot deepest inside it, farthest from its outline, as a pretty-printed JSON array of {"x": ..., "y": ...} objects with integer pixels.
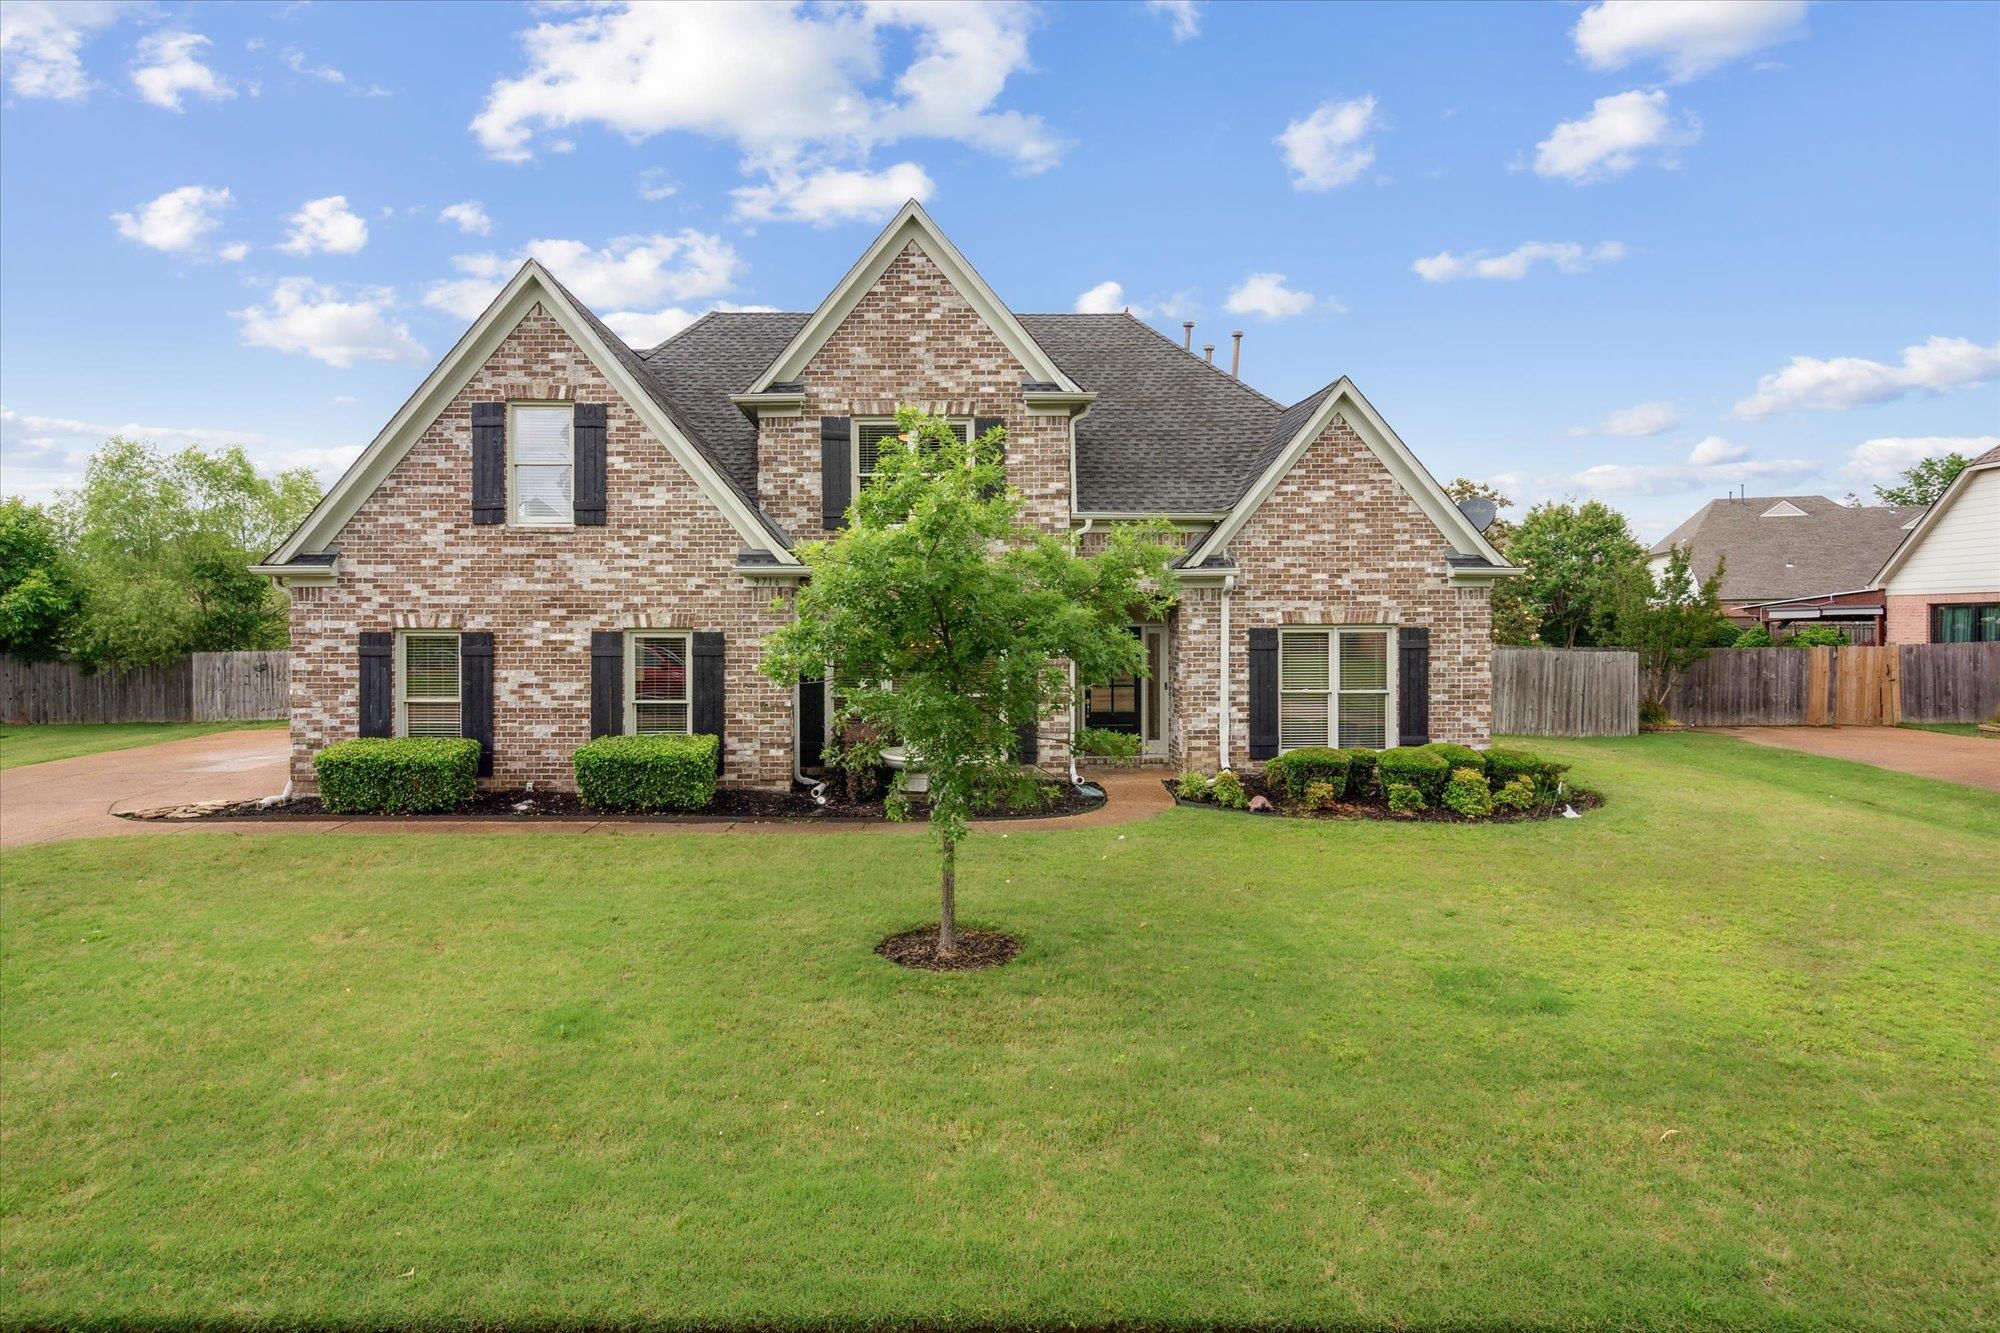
[
  {"x": 647, "y": 772},
  {"x": 1816, "y": 636},
  {"x": 1295, "y": 770},
  {"x": 1652, "y": 715},
  {"x": 1192, "y": 787},
  {"x": 1228, "y": 790},
  {"x": 400, "y": 775},
  {"x": 1503, "y": 766},
  {"x": 1417, "y": 766},
  {"x": 1320, "y": 796},
  {"x": 1467, "y": 794},
  {"x": 1458, "y": 756},
  {"x": 1360, "y": 773},
  {"x": 1517, "y": 793},
  {"x": 1405, "y": 799},
  {"x": 1097, "y": 743},
  {"x": 1754, "y": 637}
]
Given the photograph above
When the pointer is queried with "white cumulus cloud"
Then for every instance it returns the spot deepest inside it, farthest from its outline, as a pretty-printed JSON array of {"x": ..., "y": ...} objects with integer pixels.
[
  {"x": 1674, "y": 478},
  {"x": 325, "y": 226},
  {"x": 1621, "y": 131},
  {"x": 831, "y": 194},
  {"x": 1185, "y": 14},
  {"x": 1267, "y": 295},
  {"x": 1567, "y": 256},
  {"x": 1330, "y": 147},
  {"x": 41, "y": 45},
  {"x": 1636, "y": 421},
  {"x": 177, "y": 220},
  {"x": 1106, "y": 298},
  {"x": 1714, "y": 450},
  {"x": 234, "y": 253},
  {"x": 623, "y": 274},
  {"x": 1935, "y": 366},
  {"x": 469, "y": 217},
  {"x": 304, "y": 317},
  {"x": 1884, "y": 460},
  {"x": 1688, "y": 37},
  {"x": 643, "y": 328},
  {"x": 168, "y": 67}
]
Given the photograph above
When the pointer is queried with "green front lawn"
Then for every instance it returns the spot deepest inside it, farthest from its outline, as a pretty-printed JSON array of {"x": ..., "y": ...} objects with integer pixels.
[
  {"x": 1722, "y": 1053},
  {"x": 21, "y": 745}
]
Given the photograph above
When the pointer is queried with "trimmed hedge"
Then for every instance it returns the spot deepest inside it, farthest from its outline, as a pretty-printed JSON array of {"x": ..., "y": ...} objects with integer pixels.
[
  {"x": 1360, "y": 773},
  {"x": 1503, "y": 766},
  {"x": 641, "y": 773},
  {"x": 399, "y": 775},
  {"x": 1292, "y": 772},
  {"x": 1416, "y": 766},
  {"x": 1459, "y": 756}
]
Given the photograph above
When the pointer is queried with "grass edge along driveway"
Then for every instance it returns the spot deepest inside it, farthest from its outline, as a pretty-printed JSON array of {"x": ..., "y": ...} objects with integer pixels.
[
  {"x": 22, "y": 745},
  {"x": 1720, "y": 1054}
]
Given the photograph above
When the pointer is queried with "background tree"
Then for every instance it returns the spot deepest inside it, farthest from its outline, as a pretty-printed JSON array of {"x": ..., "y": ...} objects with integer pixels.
[
  {"x": 39, "y": 599},
  {"x": 1579, "y": 559},
  {"x": 1670, "y": 623},
  {"x": 1514, "y": 621},
  {"x": 1923, "y": 483},
  {"x": 947, "y": 623},
  {"x": 162, "y": 545}
]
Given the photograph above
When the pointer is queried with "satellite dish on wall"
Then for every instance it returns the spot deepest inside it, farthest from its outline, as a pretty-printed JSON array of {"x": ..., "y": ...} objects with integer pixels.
[{"x": 1480, "y": 510}]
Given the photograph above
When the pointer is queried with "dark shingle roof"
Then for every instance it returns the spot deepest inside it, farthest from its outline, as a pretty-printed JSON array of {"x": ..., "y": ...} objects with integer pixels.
[
  {"x": 1832, "y": 548},
  {"x": 722, "y": 353}
]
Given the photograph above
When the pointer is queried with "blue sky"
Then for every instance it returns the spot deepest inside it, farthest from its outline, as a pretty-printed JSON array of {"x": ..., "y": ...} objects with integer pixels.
[{"x": 1646, "y": 253}]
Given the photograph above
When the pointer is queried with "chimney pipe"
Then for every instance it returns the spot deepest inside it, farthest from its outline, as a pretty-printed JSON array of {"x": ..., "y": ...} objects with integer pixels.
[
  {"x": 1187, "y": 335},
  {"x": 1236, "y": 355},
  {"x": 1208, "y": 353}
]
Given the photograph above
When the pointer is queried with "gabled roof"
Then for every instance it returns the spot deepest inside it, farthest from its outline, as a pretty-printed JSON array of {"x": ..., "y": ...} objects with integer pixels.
[
  {"x": 712, "y": 358},
  {"x": 1986, "y": 462},
  {"x": 1828, "y": 547},
  {"x": 911, "y": 224}
]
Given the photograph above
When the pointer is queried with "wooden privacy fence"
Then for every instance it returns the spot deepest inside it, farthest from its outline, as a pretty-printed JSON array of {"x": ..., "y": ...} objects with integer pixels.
[
  {"x": 1949, "y": 682},
  {"x": 1565, "y": 692},
  {"x": 206, "y": 687}
]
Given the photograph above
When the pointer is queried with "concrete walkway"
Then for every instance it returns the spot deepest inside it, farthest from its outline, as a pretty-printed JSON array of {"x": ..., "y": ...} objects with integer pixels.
[
  {"x": 83, "y": 797},
  {"x": 1973, "y": 760}
]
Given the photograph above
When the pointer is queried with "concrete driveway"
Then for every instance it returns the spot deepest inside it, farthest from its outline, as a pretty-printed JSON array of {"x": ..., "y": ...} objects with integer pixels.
[
  {"x": 1973, "y": 760},
  {"x": 79, "y": 798}
]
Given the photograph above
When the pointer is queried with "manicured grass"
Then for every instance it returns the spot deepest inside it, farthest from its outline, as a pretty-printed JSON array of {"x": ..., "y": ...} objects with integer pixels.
[
  {"x": 1948, "y": 728},
  {"x": 21, "y": 745},
  {"x": 1722, "y": 1054}
]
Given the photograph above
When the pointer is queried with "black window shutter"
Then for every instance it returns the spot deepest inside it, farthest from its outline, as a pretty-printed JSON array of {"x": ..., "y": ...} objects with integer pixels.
[
  {"x": 836, "y": 470},
  {"x": 812, "y": 722},
  {"x": 607, "y": 683},
  {"x": 1413, "y": 685},
  {"x": 378, "y": 683},
  {"x": 587, "y": 447},
  {"x": 1263, "y": 693},
  {"x": 489, "y": 462},
  {"x": 980, "y": 426},
  {"x": 708, "y": 688},
  {"x": 1027, "y": 743},
  {"x": 475, "y": 695}
]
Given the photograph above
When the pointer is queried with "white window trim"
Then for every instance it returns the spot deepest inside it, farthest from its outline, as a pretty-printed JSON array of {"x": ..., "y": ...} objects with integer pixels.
[
  {"x": 514, "y": 519},
  {"x": 633, "y": 638},
  {"x": 400, "y": 674},
  {"x": 1391, "y": 737},
  {"x": 854, "y": 477}
]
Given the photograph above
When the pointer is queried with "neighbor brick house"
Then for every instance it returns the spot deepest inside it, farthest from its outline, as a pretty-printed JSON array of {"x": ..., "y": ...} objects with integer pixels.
[
  {"x": 1942, "y": 585},
  {"x": 559, "y": 536}
]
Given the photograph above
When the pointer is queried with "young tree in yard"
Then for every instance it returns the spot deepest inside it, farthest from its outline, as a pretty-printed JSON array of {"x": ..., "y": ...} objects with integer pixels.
[
  {"x": 163, "y": 545},
  {"x": 1925, "y": 482},
  {"x": 1670, "y": 623},
  {"x": 1578, "y": 558},
  {"x": 38, "y": 593},
  {"x": 1514, "y": 621},
  {"x": 946, "y": 623}
]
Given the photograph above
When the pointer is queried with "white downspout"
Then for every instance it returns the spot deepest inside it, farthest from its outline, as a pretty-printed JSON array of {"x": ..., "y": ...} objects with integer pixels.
[
  {"x": 1075, "y": 778},
  {"x": 1222, "y": 681}
]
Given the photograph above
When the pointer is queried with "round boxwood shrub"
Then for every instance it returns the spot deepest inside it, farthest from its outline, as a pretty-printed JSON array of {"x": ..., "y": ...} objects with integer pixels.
[
  {"x": 1404, "y": 799},
  {"x": 1292, "y": 772},
  {"x": 1417, "y": 766},
  {"x": 399, "y": 775},
  {"x": 1467, "y": 794},
  {"x": 641, "y": 773},
  {"x": 1517, "y": 793},
  {"x": 1458, "y": 756}
]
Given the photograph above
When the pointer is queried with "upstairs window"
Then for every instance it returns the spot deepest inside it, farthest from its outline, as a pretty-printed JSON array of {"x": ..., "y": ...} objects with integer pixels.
[
  {"x": 657, "y": 700},
  {"x": 539, "y": 463},
  {"x": 428, "y": 676},
  {"x": 1333, "y": 688},
  {"x": 873, "y": 434}
]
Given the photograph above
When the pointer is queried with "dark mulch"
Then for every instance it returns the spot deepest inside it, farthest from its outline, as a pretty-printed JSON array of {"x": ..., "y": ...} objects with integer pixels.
[
  {"x": 1378, "y": 807},
  {"x": 729, "y": 804},
  {"x": 976, "y": 949}
]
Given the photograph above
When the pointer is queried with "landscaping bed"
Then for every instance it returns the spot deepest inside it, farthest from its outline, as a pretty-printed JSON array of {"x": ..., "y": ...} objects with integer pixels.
[
  {"x": 1436, "y": 783},
  {"x": 1577, "y": 798}
]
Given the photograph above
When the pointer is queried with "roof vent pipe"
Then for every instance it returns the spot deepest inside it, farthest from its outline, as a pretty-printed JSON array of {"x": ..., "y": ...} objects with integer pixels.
[
  {"x": 1236, "y": 355},
  {"x": 1208, "y": 352},
  {"x": 1187, "y": 335}
]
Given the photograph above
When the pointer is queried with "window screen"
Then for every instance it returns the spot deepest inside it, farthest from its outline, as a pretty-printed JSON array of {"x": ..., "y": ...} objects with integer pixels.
[
  {"x": 430, "y": 685},
  {"x": 542, "y": 456},
  {"x": 659, "y": 676}
]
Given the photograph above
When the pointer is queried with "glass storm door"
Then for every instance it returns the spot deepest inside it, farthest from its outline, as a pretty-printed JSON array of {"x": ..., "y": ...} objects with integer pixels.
[{"x": 1134, "y": 705}]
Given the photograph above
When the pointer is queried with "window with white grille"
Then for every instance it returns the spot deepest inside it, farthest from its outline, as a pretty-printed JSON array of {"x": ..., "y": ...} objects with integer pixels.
[
  {"x": 1333, "y": 688},
  {"x": 428, "y": 684},
  {"x": 873, "y": 434},
  {"x": 657, "y": 700},
  {"x": 540, "y": 457}
]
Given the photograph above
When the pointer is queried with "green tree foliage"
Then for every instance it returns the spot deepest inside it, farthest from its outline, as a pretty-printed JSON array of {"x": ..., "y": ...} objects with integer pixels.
[
  {"x": 39, "y": 598},
  {"x": 1579, "y": 559},
  {"x": 946, "y": 621},
  {"x": 1669, "y": 622},
  {"x": 1925, "y": 482},
  {"x": 163, "y": 544},
  {"x": 1514, "y": 621}
]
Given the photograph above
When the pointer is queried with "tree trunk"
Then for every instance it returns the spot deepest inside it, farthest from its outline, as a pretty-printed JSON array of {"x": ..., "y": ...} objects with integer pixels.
[{"x": 948, "y": 900}]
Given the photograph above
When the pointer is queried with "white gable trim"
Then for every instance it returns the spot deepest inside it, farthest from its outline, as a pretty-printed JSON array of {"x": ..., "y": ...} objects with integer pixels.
[
  {"x": 531, "y": 285},
  {"x": 911, "y": 223},
  {"x": 1346, "y": 401},
  {"x": 1900, "y": 556},
  {"x": 1783, "y": 509}
]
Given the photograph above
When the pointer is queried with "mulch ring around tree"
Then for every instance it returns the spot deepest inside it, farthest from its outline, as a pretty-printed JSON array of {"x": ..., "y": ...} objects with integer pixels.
[
  {"x": 1575, "y": 798},
  {"x": 557, "y": 806},
  {"x": 976, "y": 949}
]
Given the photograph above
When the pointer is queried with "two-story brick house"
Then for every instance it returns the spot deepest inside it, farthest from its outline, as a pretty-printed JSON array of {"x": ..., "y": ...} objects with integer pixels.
[{"x": 560, "y": 536}]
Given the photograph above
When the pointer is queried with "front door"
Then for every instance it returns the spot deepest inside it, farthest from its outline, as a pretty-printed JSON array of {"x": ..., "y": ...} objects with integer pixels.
[{"x": 1135, "y": 705}]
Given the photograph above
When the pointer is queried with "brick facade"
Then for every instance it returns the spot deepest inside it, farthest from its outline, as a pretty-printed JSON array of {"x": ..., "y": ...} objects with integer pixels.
[{"x": 1909, "y": 614}]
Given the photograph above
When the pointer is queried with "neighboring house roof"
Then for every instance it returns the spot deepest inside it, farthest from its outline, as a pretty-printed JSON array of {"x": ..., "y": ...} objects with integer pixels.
[
  {"x": 1780, "y": 547},
  {"x": 1900, "y": 555}
]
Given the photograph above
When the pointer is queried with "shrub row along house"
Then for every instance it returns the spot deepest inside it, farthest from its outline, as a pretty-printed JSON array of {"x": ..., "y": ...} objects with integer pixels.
[{"x": 560, "y": 536}]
